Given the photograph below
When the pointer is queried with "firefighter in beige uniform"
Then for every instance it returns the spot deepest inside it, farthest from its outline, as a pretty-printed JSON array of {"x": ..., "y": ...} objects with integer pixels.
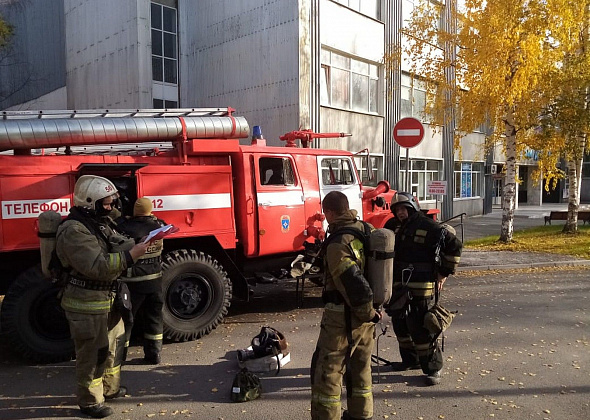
[
  {"x": 94, "y": 256},
  {"x": 347, "y": 333}
]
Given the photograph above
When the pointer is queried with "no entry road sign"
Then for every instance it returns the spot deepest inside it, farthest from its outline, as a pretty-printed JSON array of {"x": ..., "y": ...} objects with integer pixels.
[{"x": 408, "y": 132}]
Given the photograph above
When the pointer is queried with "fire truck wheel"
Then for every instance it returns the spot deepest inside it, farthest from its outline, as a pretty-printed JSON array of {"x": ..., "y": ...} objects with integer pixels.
[
  {"x": 34, "y": 322},
  {"x": 197, "y": 294}
]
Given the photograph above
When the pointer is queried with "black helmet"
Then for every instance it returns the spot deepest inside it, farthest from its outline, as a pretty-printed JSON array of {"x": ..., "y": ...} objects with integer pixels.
[{"x": 404, "y": 199}]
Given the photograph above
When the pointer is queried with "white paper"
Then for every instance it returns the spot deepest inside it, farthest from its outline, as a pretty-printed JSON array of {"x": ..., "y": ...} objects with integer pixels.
[{"x": 155, "y": 232}]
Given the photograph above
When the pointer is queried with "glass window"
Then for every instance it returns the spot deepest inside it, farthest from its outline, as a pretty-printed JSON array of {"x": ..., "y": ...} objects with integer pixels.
[
  {"x": 170, "y": 73},
  {"x": 413, "y": 98},
  {"x": 169, "y": 19},
  {"x": 363, "y": 169},
  {"x": 421, "y": 171},
  {"x": 337, "y": 171},
  {"x": 157, "y": 69},
  {"x": 276, "y": 171},
  {"x": 156, "y": 16},
  {"x": 360, "y": 92},
  {"x": 164, "y": 43},
  {"x": 169, "y": 45},
  {"x": 349, "y": 83},
  {"x": 468, "y": 179},
  {"x": 157, "y": 43},
  {"x": 340, "y": 88},
  {"x": 371, "y": 8},
  {"x": 164, "y": 37}
]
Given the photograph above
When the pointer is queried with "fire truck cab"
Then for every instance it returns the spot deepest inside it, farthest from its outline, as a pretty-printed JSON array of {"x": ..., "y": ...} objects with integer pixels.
[{"x": 241, "y": 209}]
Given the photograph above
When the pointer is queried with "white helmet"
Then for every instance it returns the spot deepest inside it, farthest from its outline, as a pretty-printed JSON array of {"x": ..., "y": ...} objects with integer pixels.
[{"x": 91, "y": 188}]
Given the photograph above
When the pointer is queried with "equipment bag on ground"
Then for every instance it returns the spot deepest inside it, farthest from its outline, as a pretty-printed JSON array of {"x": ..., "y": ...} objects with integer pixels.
[{"x": 245, "y": 387}]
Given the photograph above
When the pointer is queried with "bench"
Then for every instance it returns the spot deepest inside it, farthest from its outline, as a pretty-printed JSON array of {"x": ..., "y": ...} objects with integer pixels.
[{"x": 583, "y": 215}]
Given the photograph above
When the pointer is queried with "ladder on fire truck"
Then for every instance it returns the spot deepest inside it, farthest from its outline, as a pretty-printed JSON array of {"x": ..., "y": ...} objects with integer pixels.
[
  {"x": 118, "y": 113},
  {"x": 34, "y": 130}
]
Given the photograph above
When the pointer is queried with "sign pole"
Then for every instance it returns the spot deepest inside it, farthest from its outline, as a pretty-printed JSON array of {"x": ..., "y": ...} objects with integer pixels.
[{"x": 408, "y": 170}]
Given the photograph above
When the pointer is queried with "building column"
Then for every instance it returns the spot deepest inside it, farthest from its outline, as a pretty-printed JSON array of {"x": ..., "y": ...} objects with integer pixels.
[{"x": 392, "y": 16}]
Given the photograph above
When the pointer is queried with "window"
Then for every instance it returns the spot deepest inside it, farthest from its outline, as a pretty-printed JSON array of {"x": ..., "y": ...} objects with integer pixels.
[
  {"x": 349, "y": 83},
  {"x": 276, "y": 171},
  {"x": 421, "y": 171},
  {"x": 337, "y": 171},
  {"x": 371, "y": 8},
  {"x": 413, "y": 98},
  {"x": 363, "y": 170},
  {"x": 164, "y": 34},
  {"x": 468, "y": 179},
  {"x": 164, "y": 44},
  {"x": 161, "y": 103}
]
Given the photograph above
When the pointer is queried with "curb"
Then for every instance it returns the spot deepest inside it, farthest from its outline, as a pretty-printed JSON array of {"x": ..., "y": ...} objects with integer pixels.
[{"x": 572, "y": 263}]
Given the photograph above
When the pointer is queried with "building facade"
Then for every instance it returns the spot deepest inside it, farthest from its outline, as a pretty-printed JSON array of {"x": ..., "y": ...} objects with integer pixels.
[{"x": 283, "y": 64}]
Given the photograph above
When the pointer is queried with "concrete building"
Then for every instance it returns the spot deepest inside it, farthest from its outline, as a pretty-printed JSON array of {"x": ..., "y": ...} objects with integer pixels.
[{"x": 283, "y": 64}]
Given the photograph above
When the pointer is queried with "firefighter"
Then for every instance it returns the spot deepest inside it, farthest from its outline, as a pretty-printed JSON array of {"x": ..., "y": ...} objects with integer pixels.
[
  {"x": 144, "y": 280},
  {"x": 94, "y": 255},
  {"x": 416, "y": 242},
  {"x": 347, "y": 331}
]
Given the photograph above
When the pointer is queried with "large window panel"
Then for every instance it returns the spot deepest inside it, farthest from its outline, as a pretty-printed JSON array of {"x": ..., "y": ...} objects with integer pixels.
[
  {"x": 340, "y": 88},
  {"x": 164, "y": 37},
  {"x": 371, "y": 8},
  {"x": 360, "y": 93},
  {"x": 421, "y": 171},
  {"x": 349, "y": 83},
  {"x": 468, "y": 179}
]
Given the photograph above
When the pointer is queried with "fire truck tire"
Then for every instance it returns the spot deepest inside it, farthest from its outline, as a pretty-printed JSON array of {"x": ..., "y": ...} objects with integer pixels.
[
  {"x": 197, "y": 294},
  {"x": 33, "y": 321}
]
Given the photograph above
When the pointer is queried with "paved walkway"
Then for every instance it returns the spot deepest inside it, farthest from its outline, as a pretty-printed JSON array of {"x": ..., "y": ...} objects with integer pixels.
[{"x": 524, "y": 217}]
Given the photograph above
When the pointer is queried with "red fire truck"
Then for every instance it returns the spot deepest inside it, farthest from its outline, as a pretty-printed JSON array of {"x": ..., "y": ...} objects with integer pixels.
[{"x": 240, "y": 209}]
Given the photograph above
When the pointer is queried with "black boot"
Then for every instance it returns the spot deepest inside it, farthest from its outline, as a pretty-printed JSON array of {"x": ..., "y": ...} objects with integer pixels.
[
  {"x": 121, "y": 393},
  {"x": 98, "y": 411},
  {"x": 346, "y": 416}
]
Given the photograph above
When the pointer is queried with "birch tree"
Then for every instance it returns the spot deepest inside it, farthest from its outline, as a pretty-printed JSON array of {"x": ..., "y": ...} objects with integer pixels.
[
  {"x": 505, "y": 61},
  {"x": 566, "y": 122}
]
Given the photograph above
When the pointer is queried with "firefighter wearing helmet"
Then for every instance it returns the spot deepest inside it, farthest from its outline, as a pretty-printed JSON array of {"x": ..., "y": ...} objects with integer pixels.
[
  {"x": 347, "y": 332},
  {"x": 145, "y": 280},
  {"x": 418, "y": 237},
  {"x": 94, "y": 255}
]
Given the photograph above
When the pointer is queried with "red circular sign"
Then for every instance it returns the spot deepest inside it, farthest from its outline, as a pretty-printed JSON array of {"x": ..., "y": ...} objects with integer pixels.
[{"x": 408, "y": 132}]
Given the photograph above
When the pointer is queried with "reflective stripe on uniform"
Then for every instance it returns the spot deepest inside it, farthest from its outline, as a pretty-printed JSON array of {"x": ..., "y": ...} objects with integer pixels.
[
  {"x": 154, "y": 337},
  {"x": 114, "y": 371},
  {"x": 357, "y": 248},
  {"x": 92, "y": 384},
  {"x": 325, "y": 400},
  {"x": 86, "y": 306},
  {"x": 344, "y": 265},
  {"x": 362, "y": 392},
  {"x": 115, "y": 261}
]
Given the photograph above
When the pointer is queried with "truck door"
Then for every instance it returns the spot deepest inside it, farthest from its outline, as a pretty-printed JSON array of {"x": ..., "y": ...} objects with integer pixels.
[
  {"x": 279, "y": 195},
  {"x": 337, "y": 173}
]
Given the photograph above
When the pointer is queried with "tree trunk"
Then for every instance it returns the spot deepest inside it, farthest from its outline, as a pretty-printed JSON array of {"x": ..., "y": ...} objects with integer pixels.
[
  {"x": 509, "y": 191},
  {"x": 574, "y": 174}
]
